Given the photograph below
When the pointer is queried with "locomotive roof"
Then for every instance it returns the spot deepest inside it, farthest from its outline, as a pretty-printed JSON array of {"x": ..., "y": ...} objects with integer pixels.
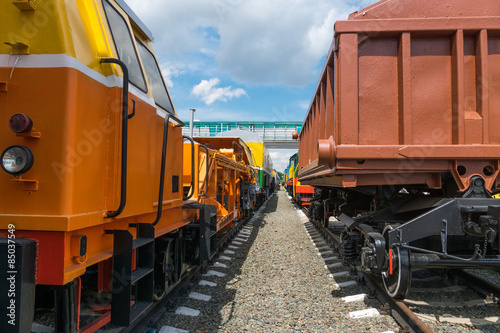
[{"x": 133, "y": 16}]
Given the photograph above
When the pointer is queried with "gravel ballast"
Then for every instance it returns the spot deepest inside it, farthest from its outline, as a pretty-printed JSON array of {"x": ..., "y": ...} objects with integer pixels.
[{"x": 277, "y": 281}]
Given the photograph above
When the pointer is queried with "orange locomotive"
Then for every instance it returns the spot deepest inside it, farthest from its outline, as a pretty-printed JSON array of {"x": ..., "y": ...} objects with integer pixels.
[
  {"x": 94, "y": 166},
  {"x": 227, "y": 182}
]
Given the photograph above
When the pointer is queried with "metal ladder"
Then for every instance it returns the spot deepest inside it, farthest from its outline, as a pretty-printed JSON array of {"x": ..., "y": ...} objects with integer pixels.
[{"x": 128, "y": 282}]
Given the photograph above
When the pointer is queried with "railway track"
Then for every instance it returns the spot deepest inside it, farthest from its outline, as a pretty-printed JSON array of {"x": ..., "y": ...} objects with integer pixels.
[
  {"x": 439, "y": 301},
  {"x": 274, "y": 282},
  {"x": 436, "y": 302},
  {"x": 151, "y": 319}
]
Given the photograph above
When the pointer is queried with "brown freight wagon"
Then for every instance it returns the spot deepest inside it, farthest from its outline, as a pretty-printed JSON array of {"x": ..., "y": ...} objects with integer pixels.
[{"x": 403, "y": 136}]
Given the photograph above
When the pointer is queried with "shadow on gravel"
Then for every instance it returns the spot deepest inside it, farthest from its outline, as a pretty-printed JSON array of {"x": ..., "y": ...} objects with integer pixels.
[
  {"x": 342, "y": 274},
  {"x": 223, "y": 295},
  {"x": 272, "y": 204}
]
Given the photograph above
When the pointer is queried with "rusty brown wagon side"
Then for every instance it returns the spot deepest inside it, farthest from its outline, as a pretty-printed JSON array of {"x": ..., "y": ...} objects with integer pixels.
[
  {"x": 402, "y": 137},
  {"x": 409, "y": 90}
]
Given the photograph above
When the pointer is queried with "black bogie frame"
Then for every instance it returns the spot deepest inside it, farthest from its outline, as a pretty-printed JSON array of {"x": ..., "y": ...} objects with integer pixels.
[{"x": 417, "y": 226}]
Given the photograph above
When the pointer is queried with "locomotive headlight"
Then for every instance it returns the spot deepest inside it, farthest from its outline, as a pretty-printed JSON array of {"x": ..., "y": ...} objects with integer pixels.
[{"x": 16, "y": 160}]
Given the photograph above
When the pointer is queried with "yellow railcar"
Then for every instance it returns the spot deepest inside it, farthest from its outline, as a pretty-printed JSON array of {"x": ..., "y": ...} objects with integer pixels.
[{"x": 263, "y": 162}]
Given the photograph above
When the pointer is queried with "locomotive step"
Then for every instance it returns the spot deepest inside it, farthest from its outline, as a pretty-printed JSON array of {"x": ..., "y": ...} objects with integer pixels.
[
  {"x": 138, "y": 242},
  {"x": 139, "y": 273}
]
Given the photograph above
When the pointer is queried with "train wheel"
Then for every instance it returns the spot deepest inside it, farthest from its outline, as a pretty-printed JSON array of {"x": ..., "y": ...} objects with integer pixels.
[{"x": 397, "y": 279}]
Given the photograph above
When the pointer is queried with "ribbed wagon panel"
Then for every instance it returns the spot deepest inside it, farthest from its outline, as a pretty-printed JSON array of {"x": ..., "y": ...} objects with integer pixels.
[
  {"x": 431, "y": 93},
  {"x": 417, "y": 86},
  {"x": 378, "y": 92},
  {"x": 493, "y": 72}
]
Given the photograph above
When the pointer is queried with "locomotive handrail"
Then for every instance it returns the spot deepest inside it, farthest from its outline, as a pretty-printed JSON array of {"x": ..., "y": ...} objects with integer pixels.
[
  {"x": 177, "y": 120},
  {"x": 192, "y": 167},
  {"x": 163, "y": 160},
  {"x": 209, "y": 144},
  {"x": 206, "y": 177},
  {"x": 125, "y": 117},
  {"x": 162, "y": 168},
  {"x": 130, "y": 116}
]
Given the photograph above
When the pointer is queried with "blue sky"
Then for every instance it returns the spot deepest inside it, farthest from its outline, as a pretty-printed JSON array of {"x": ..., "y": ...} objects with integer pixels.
[{"x": 243, "y": 60}]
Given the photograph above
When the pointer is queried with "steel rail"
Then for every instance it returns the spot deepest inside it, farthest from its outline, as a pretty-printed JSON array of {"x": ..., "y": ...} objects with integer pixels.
[
  {"x": 401, "y": 313},
  {"x": 482, "y": 286}
]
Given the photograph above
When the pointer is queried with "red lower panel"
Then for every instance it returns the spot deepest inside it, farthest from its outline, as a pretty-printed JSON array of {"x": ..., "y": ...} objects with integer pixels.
[
  {"x": 50, "y": 260},
  {"x": 105, "y": 275},
  {"x": 304, "y": 189}
]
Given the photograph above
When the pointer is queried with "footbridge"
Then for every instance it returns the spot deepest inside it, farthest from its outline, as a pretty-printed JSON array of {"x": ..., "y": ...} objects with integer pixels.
[{"x": 275, "y": 135}]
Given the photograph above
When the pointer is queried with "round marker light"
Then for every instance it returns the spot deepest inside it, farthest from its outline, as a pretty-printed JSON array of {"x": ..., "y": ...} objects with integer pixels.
[
  {"x": 20, "y": 123},
  {"x": 16, "y": 160}
]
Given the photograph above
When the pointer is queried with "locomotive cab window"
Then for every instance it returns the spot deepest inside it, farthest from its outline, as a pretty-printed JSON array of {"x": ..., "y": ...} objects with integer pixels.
[
  {"x": 155, "y": 78},
  {"x": 124, "y": 45}
]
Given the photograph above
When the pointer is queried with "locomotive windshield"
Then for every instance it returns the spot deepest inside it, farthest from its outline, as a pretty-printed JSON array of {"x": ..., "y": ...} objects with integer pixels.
[
  {"x": 155, "y": 79},
  {"x": 125, "y": 46}
]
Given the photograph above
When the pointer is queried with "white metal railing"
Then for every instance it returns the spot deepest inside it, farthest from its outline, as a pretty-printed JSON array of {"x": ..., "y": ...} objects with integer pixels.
[{"x": 269, "y": 133}]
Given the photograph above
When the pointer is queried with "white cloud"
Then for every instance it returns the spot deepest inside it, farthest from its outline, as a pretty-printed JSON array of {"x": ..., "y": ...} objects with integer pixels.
[
  {"x": 303, "y": 104},
  {"x": 169, "y": 71},
  {"x": 276, "y": 42},
  {"x": 281, "y": 158},
  {"x": 208, "y": 91},
  {"x": 259, "y": 42}
]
